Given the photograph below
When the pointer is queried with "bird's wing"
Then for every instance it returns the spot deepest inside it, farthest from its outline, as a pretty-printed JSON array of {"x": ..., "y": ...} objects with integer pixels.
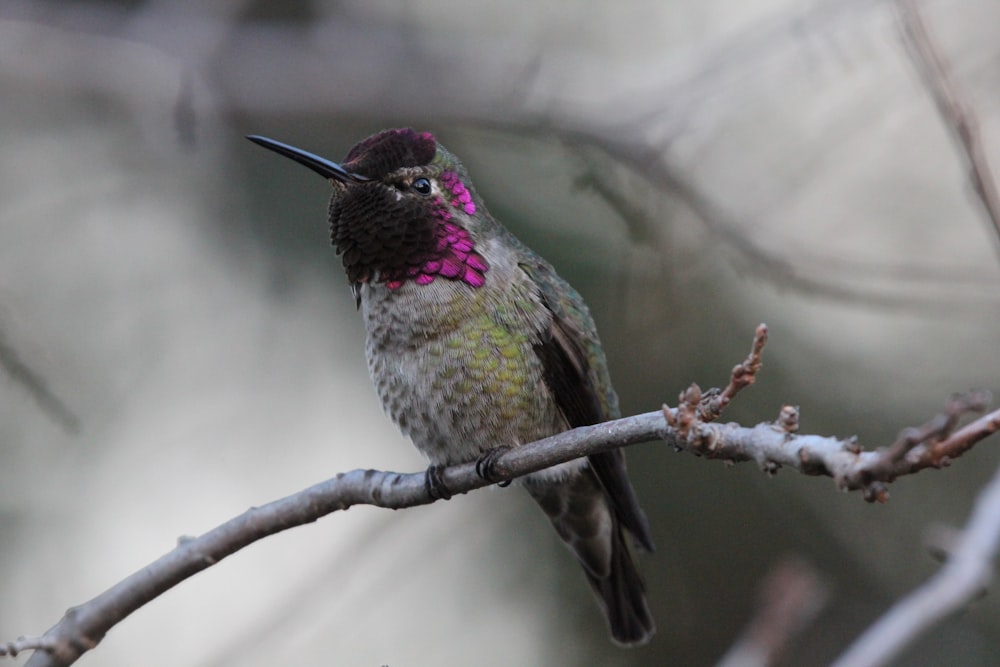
[{"x": 574, "y": 371}]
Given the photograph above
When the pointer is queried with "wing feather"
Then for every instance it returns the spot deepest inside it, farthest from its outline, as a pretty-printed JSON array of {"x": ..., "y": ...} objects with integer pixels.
[{"x": 569, "y": 373}]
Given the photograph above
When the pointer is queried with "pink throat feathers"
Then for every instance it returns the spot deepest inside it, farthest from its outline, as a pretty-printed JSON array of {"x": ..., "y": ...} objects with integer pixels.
[{"x": 455, "y": 257}]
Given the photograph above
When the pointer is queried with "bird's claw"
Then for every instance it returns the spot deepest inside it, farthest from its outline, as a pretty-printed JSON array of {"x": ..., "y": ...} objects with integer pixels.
[
  {"x": 487, "y": 464},
  {"x": 435, "y": 486}
]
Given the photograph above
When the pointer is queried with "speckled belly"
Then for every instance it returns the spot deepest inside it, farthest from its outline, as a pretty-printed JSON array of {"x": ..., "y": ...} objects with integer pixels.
[{"x": 461, "y": 393}]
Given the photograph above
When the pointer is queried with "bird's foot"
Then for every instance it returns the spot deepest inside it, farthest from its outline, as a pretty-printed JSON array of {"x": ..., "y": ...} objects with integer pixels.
[
  {"x": 486, "y": 466},
  {"x": 435, "y": 486}
]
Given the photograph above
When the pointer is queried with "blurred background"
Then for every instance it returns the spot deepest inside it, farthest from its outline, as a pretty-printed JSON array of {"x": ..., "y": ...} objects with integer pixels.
[{"x": 179, "y": 342}]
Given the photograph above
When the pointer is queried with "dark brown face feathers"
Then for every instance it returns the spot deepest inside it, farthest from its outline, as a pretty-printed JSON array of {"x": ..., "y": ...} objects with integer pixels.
[
  {"x": 407, "y": 223},
  {"x": 385, "y": 152},
  {"x": 375, "y": 231},
  {"x": 374, "y": 226}
]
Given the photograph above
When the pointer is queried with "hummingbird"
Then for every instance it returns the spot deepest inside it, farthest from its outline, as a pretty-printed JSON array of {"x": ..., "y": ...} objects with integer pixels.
[{"x": 476, "y": 345}]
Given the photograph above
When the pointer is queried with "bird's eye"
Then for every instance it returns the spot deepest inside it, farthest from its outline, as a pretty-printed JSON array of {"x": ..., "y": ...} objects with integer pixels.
[{"x": 422, "y": 186}]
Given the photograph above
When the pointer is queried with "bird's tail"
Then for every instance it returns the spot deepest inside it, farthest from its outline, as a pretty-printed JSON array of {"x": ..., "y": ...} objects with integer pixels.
[
  {"x": 582, "y": 515},
  {"x": 623, "y": 595}
]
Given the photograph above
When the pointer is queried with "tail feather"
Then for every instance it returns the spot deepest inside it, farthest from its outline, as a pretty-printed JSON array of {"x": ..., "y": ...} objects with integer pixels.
[
  {"x": 623, "y": 596},
  {"x": 582, "y": 514}
]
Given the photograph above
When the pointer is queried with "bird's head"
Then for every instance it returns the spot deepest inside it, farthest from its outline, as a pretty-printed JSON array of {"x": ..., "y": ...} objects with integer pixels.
[{"x": 403, "y": 209}]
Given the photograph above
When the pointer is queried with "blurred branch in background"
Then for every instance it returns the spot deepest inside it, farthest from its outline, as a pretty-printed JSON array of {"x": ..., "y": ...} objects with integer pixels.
[
  {"x": 881, "y": 285},
  {"x": 955, "y": 111},
  {"x": 36, "y": 385},
  {"x": 965, "y": 575},
  {"x": 688, "y": 427},
  {"x": 788, "y": 599},
  {"x": 510, "y": 88}
]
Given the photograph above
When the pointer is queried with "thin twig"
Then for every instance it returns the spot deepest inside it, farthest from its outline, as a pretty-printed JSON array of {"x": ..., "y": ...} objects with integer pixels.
[
  {"x": 22, "y": 644},
  {"x": 951, "y": 105},
  {"x": 941, "y": 426},
  {"x": 967, "y": 572},
  {"x": 36, "y": 385},
  {"x": 744, "y": 374}
]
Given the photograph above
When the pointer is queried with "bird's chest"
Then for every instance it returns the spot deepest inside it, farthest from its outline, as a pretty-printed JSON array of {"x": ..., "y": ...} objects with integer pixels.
[{"x": 458, "y": 373}]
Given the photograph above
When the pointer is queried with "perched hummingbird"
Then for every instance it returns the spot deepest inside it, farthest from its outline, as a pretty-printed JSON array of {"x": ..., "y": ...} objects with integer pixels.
[{"x": 474, "y": 343}]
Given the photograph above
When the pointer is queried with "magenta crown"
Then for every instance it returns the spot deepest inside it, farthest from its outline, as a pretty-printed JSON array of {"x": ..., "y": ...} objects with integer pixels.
[{"x": 387, "y": 151}]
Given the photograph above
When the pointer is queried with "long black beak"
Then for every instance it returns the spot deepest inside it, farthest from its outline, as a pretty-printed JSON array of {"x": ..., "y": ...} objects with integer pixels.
[{"x": 321, "y": 166}]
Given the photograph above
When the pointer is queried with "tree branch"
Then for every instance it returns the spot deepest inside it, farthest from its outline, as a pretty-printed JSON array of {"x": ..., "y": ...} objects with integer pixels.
[
  {"x": 954, "y": 111},
  {"x": 686, "y": 428},
  {"x": 968, "y": 571},
  {"x": 35, "y": 384},
  {"x": 776, "y": 444},
  {"x": 788, "y": 600}
]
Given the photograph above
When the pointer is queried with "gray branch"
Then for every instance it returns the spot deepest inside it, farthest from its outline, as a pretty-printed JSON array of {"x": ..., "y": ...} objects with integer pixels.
[
  {"x": 771, "y": 445},
  {"x": 968, "y": 571}
]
